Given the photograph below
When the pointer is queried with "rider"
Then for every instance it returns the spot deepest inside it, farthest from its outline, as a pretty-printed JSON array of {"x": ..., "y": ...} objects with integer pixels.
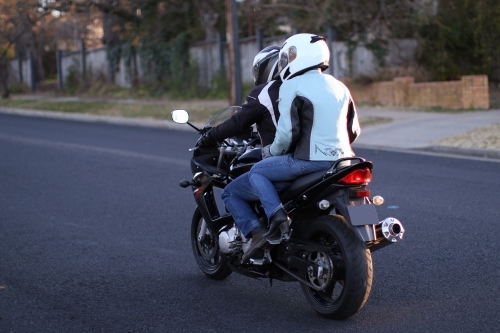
[
  {"x": 260, "y": 107},
  {"x": 317, "y": 125}
]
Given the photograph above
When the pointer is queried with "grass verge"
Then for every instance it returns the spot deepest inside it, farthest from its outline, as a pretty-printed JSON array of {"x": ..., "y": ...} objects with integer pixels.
[
  {"x": 199, "y": 111},
  {"x": 487, "y": 137}
]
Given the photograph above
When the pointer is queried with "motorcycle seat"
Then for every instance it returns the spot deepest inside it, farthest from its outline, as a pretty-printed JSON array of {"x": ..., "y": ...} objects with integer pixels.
[{"x": 300, "y": 185}]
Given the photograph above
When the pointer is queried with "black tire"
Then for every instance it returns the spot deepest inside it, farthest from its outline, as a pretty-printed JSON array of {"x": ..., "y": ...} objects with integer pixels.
[
  {"x": 346, "y": 290},
  {"x": 206, "y": 252}
]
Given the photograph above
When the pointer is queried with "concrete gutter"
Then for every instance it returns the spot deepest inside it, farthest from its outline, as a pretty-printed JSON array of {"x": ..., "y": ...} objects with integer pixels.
[{"x": 475, "y": 152}]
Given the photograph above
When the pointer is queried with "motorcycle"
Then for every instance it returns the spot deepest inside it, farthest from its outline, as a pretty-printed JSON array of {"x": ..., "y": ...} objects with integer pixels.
[{"x": 334, "y": 226}]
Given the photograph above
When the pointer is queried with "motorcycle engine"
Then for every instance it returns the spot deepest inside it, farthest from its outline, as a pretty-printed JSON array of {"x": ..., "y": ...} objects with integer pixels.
[{"x": 230, "y": 241}]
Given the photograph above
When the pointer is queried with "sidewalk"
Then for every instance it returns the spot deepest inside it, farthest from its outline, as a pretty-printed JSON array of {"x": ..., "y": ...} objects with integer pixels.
[{"x": 465, "y": 133}]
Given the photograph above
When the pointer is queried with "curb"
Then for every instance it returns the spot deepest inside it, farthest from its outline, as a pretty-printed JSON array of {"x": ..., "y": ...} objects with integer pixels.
[
  {"x": 471, "y": 153},
  {"x": 114, "y": 120},
  {"x": 168, "y": 124},
  {"x": 476, "y": 152}
]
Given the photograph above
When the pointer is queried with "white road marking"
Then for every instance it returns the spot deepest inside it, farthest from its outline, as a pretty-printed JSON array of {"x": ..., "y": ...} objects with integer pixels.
[{"x": 73, "y": 146}]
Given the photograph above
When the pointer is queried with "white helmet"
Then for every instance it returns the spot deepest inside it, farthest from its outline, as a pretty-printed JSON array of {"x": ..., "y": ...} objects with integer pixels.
[
  {"x": 303, "y": 52},
  {"x": 265, "y": 65}
]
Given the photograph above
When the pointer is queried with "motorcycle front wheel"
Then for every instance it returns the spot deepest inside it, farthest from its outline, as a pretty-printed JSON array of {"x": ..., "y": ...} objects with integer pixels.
[
  {"x": 206, "y": 250},
  {"x": 347, "y": 272}
]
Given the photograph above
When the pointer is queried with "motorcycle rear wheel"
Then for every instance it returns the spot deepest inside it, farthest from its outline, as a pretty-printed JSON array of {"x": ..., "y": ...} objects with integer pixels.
[
  {"x": 206, "y": 251},
  {"x": 348, "y": 270}
]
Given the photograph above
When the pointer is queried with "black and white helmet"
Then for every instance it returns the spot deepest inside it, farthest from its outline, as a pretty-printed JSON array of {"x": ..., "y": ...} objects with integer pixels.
[
  {"x": 303, "y": 52},
  {"x": 265, "y": 65}
]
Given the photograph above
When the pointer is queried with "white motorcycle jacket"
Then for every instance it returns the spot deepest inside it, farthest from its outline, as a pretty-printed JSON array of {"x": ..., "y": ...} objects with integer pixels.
[{"x": 318, "y": 119}]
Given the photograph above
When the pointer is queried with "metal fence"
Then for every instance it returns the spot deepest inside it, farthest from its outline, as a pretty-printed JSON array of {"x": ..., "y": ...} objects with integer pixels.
[
  {"x": 211, "y": 56},
  {"x": 22, "y": 70}
]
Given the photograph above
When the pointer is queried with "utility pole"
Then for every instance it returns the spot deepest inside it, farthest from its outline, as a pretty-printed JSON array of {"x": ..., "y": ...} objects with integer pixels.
[{"x": 234, "y": 52}]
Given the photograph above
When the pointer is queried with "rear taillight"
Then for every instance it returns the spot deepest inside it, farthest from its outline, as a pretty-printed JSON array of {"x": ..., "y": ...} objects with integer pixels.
[{"x": 357, "y": 177}]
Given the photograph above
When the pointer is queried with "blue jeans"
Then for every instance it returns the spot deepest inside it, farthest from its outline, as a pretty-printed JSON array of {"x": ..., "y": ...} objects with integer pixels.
[
  {"x": 237, "y": 197},
  {"x": 279, "y": 168},
  {"x": 262, "y": 183}
]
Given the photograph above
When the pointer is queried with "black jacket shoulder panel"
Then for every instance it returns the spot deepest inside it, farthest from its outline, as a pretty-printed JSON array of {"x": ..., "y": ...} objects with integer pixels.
[{"x": 260, "y": 107}]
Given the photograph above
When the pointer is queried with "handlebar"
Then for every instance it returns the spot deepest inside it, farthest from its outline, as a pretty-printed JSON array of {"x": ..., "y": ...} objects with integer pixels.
[{"x": 223, "y": 149}]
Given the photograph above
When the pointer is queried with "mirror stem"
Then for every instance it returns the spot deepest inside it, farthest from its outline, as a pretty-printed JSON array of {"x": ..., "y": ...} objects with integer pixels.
[{"x": 193, "y": 126}]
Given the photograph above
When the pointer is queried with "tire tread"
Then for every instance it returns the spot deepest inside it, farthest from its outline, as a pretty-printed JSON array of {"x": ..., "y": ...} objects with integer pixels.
[{"x": 359, "y": 269}]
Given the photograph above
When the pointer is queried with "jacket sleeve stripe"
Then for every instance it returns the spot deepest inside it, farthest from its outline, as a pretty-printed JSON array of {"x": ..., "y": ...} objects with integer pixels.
[
  {"x": 283, "y": 138},
  {"x": 265, "y": 100}
]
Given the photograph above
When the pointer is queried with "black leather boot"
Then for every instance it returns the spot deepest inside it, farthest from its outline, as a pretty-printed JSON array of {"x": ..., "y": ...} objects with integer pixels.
[
  {"x": 279, "y": 220},
  {"x": 256, "y": 243}
]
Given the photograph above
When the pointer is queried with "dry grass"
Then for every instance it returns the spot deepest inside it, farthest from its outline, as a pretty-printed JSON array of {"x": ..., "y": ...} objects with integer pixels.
[
  {"x": 199, "y": 111},
  {"x": 370, "y": 121},
  {"x": 487, "y": 137}
]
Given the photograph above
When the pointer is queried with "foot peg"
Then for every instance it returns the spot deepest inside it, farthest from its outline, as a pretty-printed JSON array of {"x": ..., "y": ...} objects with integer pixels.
[
  {"x": 265, "y": 260},
  {"x": 283, "y": 237}
]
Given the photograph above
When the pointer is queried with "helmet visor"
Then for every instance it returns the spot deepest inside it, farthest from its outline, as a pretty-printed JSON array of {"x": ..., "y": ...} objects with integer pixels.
[
  {"x": 255, "y": 73},
  {"x": 283, "y": 61}
]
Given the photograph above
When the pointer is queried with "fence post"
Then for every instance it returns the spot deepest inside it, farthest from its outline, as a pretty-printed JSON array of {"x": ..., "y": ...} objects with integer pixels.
[
  {"x": 59, "y": 69},
  {"x": 237, "y": 60},
  {"x": 332, "y": 37},
  {"x": 20, "y": 66},
  {"x": 111, "y": 65},
  {"x": 135, "y": 75},
  {"x": 260, "y": 39},
  {"x": 32, "y": 72},
  {"x": 83, "y": 57}
]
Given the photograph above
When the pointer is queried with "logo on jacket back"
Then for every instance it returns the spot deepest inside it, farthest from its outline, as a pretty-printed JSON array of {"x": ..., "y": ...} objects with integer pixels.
[{"x": 327, "y": 151}]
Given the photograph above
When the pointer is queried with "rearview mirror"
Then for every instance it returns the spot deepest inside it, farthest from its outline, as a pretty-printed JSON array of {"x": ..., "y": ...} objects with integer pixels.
[{"x": 180, "y": 116}]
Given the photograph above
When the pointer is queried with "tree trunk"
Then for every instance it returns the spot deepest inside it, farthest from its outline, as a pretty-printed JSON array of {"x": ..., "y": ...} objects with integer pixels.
[
  {"x": 27, "y": 43},
  {"x": 209, "y": 18},
  {"x": 4, "y": 77}
]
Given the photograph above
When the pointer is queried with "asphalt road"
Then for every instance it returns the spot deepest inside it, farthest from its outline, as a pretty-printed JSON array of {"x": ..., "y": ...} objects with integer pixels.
[{"x": 94, "y": 237}]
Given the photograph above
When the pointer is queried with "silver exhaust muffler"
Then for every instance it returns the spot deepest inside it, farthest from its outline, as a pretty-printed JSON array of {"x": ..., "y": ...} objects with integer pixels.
[
  {"x": 391, "y": 229},
  {"x": 388, "y": 231}
]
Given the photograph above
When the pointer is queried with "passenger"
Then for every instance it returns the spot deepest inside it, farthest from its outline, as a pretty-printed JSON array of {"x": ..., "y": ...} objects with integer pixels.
[{"x": 317, "y": 124}]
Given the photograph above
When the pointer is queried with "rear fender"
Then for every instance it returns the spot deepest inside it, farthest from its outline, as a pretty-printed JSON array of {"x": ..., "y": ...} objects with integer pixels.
[{"x": 362, "y": 217}]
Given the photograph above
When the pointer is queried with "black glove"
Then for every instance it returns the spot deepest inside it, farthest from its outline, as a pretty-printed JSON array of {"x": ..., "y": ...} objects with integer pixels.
[{"x": 206, "y": 144}]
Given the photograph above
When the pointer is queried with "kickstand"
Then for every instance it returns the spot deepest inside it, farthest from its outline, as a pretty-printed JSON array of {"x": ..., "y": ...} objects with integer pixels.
[{"x": 271, "y": 282}]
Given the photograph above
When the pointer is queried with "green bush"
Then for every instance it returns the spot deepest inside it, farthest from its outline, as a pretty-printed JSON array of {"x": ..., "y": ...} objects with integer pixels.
[
  {"x": 462, "y": 39},
  {"x": 71, "y": 81},
  {"x": 18, "y": 88}
]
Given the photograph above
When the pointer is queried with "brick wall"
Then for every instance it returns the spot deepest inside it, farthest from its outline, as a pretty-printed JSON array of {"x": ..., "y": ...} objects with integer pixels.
[
  {"x": 471, "y": 92},
  {"x": 475, "y": 93},
  {"x": 446, "y": 94}
]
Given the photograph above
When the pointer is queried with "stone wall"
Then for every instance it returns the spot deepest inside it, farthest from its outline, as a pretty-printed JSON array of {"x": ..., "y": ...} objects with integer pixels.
[{"x": 471, "y": 92}]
